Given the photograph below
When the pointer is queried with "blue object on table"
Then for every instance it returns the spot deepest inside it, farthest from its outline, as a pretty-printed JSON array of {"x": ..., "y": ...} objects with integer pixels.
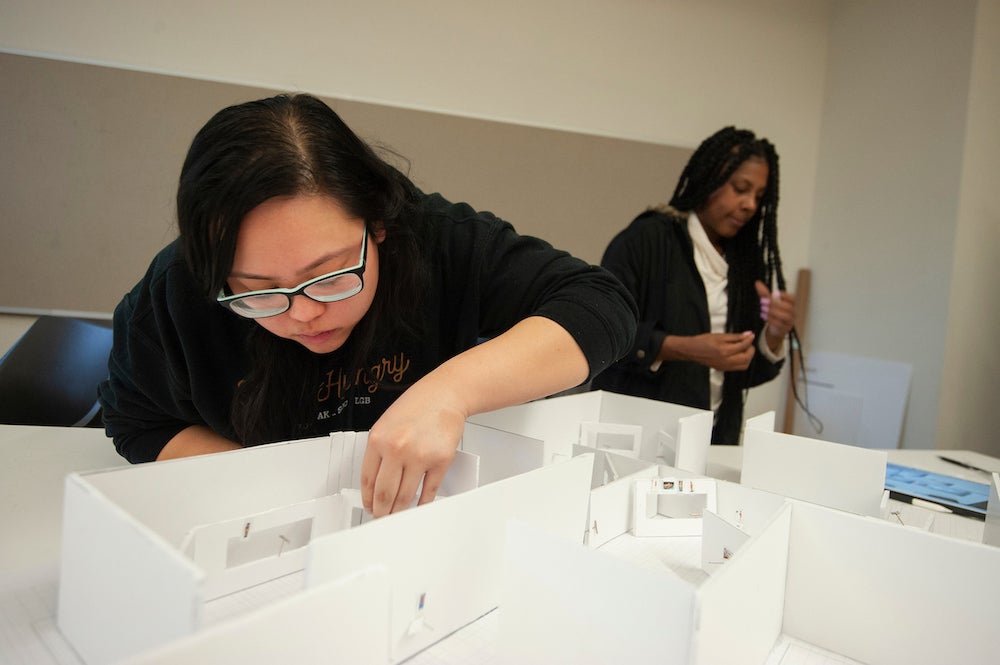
[{"x": 964, "y": 497}]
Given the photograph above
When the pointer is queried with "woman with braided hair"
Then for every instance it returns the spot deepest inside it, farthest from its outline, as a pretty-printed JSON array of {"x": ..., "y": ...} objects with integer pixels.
[{"x": 702, "y": 271}]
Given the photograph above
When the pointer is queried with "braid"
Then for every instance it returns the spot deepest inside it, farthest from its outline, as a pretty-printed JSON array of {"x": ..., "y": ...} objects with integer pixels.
[
  {"x": 753, "y": 253},
  {"x": 769, "y": 219}
]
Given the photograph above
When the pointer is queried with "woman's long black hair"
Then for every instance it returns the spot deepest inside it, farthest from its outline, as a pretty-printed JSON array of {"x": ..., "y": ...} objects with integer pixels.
[
  {"x": 284, "y": 146},
  {"x": 753, "y": 253}
]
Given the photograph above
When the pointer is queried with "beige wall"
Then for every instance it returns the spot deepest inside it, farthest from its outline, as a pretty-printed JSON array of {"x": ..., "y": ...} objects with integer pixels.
[
  {"x": 969, "y": 416},
  {"x": 668, "y": 71},
  {"x": 888, "y": 183},
  {"x": 105, "y": 205}
]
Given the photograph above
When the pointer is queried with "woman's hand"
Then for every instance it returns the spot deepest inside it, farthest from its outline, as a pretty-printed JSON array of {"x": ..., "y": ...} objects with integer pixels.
[
  {"x": 728, "y": 352},
  {"x": 778, "y": 310},
  {"x": 414, "y": 440}
]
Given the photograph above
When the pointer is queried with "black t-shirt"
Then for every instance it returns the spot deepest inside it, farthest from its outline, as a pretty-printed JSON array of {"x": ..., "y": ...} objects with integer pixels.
[{"x": 350, "y": 398}]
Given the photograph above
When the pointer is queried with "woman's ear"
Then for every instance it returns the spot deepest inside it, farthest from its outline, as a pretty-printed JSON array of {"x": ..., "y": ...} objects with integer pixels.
[{"x": 379, "y": 234}]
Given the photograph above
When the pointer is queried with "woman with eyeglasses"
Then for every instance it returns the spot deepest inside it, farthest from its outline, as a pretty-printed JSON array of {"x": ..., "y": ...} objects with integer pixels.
[{"x": 313, "y": 288}]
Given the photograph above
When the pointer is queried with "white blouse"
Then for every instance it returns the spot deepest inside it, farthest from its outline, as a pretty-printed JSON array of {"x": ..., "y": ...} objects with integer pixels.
[{"x": 714, "y": 271}]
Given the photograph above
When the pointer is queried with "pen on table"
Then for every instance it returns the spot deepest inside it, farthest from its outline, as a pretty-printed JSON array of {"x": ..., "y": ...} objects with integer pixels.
[
  {"x": 930, "y": 505},
  {"x": 962, "y": 464}
]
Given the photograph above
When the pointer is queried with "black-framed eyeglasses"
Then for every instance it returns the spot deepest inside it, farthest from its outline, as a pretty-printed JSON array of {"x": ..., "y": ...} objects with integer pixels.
[{"x": 331, "y": 287}]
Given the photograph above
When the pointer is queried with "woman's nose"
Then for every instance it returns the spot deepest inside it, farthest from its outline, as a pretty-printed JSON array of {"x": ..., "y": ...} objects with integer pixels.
[{"x": 304, "y": 308}]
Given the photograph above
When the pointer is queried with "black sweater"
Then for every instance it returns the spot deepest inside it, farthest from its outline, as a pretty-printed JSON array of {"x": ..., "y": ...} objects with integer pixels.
[
  {"x": 654, "y": 259},
  {"x": 178, "y": 355}
]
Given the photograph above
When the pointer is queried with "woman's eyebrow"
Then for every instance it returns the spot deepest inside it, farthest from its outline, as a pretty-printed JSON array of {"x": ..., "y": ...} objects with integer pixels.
[{"x": 312, "y": 266}]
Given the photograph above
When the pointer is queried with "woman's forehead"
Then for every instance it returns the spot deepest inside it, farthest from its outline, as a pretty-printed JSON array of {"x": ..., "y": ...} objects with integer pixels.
[
  {"x": 752, "y": 168},
  {"x": 293, "y": 233}
]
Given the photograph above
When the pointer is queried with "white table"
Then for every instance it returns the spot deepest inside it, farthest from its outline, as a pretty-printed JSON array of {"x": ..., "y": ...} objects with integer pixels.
[{"x": 34, "y": 462}]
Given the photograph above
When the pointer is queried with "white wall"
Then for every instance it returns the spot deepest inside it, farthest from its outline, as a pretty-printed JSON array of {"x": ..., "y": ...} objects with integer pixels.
[
  {"x": 969, "y": 416},
  {"x": 883, "y": 234}
]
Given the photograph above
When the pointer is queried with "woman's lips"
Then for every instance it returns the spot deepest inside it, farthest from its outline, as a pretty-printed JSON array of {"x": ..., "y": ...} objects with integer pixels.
[{"x": 316, "y": 338}]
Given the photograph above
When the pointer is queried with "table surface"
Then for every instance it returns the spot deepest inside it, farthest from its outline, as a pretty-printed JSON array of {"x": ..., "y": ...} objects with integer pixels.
[{"x": 34, "y": 462}]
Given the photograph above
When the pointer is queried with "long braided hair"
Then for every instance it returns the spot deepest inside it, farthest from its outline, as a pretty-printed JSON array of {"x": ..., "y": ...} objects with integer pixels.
[{"x": 753, "y": 253}]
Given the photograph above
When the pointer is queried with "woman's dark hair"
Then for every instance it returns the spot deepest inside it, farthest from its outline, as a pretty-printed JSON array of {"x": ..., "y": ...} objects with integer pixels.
[
  {"x": 291, "y": 145},
  {"x": 753, "y": 253}
]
